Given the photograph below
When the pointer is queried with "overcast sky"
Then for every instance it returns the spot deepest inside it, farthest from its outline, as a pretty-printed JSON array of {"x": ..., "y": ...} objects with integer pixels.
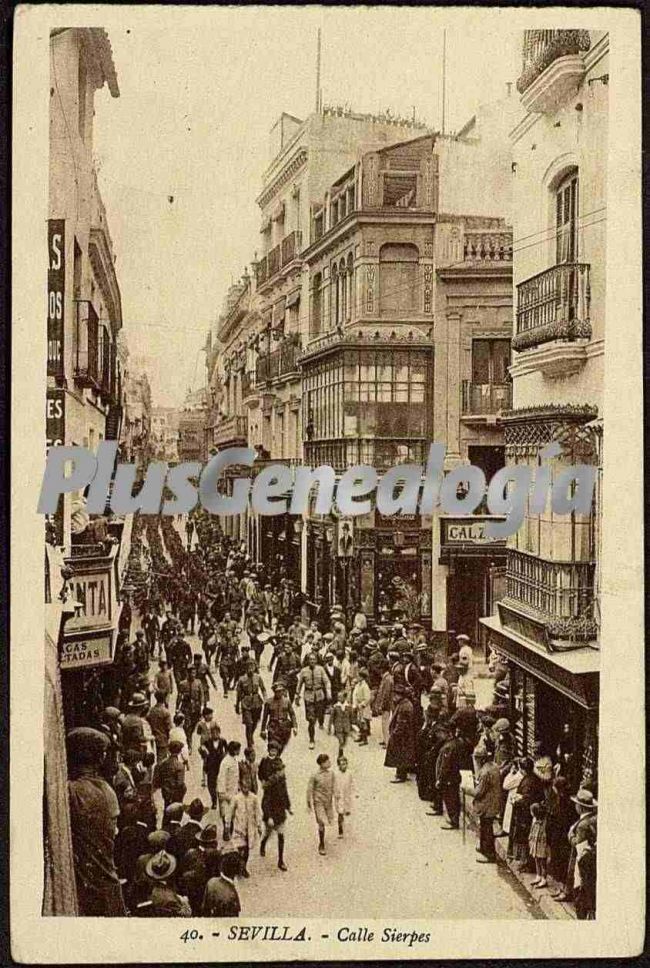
[{"x": 192, "y": 121}]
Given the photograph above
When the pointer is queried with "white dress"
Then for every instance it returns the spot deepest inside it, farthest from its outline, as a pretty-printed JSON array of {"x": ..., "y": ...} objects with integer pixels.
[
  {"x": 343, "y": 792},
  {"x": 510, "y": 784}
]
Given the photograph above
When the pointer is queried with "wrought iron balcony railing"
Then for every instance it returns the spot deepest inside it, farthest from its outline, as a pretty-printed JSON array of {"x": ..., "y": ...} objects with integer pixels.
[
  {"x": 543, "y": 47},
  {"x": 485, "y": 398},
  {"x": 291, "y": 246},
  {"x": 553, "y": 305}
]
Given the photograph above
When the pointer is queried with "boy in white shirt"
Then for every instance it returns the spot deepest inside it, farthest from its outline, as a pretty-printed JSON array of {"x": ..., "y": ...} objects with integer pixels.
[{"x": 342, "y": 791}]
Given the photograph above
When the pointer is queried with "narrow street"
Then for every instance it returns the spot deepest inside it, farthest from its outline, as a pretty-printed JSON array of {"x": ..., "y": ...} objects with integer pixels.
[{"x": 390, "y": 848}]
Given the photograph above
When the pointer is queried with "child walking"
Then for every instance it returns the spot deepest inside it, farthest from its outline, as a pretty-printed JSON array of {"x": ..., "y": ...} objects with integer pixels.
[
  {"x": 320, "y": 797},
  {"x": 342, "y": 791},
  {"x": 246, "y": 822},
  {"x": 341, "y": 720},
  {"x": 538, "y": 844}
]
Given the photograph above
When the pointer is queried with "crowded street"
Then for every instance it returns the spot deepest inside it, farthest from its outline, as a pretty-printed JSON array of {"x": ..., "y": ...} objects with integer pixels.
[{"x": 432, "y": 872}]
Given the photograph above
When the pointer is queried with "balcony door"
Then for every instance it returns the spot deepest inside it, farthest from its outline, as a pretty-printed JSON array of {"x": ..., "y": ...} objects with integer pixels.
[
  {"x": 566, "y": 219},
  {"x": 490, "y": 361}
]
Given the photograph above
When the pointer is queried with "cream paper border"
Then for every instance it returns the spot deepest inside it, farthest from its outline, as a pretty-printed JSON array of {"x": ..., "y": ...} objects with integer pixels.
[{"x": 618, "y": 930}]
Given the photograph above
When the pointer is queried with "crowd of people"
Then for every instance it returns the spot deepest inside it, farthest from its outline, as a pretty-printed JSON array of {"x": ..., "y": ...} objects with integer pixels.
[{"x": 143, "y": 847}]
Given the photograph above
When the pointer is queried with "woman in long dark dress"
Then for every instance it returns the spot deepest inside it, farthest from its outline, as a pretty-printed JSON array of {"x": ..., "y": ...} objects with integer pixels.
[
  {"x": 529, "y": 791},
  {"x": 426, "y": 768}
]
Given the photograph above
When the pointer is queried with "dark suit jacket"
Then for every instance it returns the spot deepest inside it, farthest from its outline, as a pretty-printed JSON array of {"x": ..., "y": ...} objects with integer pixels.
[{"x": 221, "y": 899}]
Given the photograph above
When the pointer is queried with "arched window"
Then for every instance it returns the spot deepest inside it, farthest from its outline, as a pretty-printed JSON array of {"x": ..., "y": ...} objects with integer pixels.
[
  {"x": 316, "y": 308},
  {"x": 399, "y": 288}
]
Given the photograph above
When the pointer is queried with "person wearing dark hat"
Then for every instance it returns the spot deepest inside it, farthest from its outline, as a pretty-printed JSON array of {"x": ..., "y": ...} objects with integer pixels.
[
  {"x": 275, "y": 799},
  {"x": 286, "y": 668},
  {"x": 487, "y": 803},
  {"x": 200, "y": 863},
  {"x": 279, "y": 719},
  {"x": 221, "y": 899},
  {"x": 203, "y": 674},
  {"x": 452, "y": 758},
  {"x": 185, "y": 836},
  {"x": 190, "y": 701},
  {"x": 110, "y": 725},
  {"x": 134, "y": 732},
  {"x": 169, "y": 775},
  {"x": 124, "y": 781},
  {"x": 139, "y": 888},
  {"x": 131, "y": 840},
  {"x": 400, "y": 752},
  {"x": 94, "y": 810},
  {"x": 165, "y": 902},
  {"x": 586, "y": 807}
]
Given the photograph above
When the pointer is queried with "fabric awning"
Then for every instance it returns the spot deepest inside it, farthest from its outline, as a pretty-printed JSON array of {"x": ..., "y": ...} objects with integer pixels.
[{"x": 293, "y": 298}]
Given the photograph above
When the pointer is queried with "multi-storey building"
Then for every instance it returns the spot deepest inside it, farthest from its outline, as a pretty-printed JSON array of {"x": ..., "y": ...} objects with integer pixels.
[
  {"x": 137, "y": 444},
  {"x": 408, "y": 341},
  {"x": 84, "y": 302},
  {"x": 547, "y": 626},
  {"x": 164, "y": 433},
  {"x": 307, "y": 157},
  {"x": 191, "y": 427}
]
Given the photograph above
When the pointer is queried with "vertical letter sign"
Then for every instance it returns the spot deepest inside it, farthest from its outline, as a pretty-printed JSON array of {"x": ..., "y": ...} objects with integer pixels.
[{"x": 55, "y": 295}]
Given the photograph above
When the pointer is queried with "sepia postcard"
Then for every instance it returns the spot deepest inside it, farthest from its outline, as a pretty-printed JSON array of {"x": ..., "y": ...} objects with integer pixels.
[{"x": 327, "y": 524}]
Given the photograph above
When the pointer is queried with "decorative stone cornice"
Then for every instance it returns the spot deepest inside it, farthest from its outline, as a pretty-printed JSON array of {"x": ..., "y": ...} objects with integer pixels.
[{"x": 289, "y": 171}]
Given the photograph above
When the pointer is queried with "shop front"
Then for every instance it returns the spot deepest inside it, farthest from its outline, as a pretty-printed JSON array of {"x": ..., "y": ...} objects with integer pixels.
[
  {"x": 553, "y": 697},
  {"x": 278, "y": 543},
  {"x": 378, "y": 564},
  {"x": 87, "y": 645},
  {"x": 475, "y": 572}
]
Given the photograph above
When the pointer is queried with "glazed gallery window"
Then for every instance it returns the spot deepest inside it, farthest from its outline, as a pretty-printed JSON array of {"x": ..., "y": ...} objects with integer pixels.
[
  {"x": 399, "y": 291},
  {"x": 370, "y": 393}
]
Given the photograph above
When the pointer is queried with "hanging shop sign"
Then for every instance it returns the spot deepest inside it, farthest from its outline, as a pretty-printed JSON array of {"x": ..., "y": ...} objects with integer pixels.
[
  {"x": 55, "y": 295},
  {"x": 468, "y": 530}
]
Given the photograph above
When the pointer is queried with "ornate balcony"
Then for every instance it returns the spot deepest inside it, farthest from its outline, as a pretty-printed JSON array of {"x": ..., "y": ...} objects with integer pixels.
[
  {"x": 553, "y": 305},
  {"x": 479, "y": 401},
  {"x": 556, "y": 596},
  {"x": 273, "y": 260},
  {"x": 553, "y": 67},
  {"x": 280, "y": 362},
  {"x": 291, "y": 246}
]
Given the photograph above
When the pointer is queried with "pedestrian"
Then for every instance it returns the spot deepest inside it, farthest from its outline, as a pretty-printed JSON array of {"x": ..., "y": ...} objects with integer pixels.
[
  {"x": 246, "y": 823},
  {"x": 165, "y": 901},
  {"x": 93, "y": 814},
  {"x": 213, "y": 750},
  {"x": 163, "y": 681},
  {"x": 275, "y": 799},
  {"x": 200, "y": 864},
  {"x": 177, "y": 732},
  {"x": 538, "y": 844},
  {"x": 451, "y": 760},
  {"x": 343, "y": 786},
  {"x": 221, "y": 899},
  {"x": 487, "y": 805},
  {"x": 341, "y": 717},
  {"x": 160, "y": 721},
  {"x": 528, "y": 792},
  {"x": 400, "y": 752},
  {"x": 586, "y": 806},
  {"x": 124, "y": 782},
  {"x": 248, "y": 769},
  {"x": 585, "y": 899},
  {"x": 465, "y": 651},
  {"x": 279, "y": 719},
  {"x": 316, "y": 684},
  {"x": 510, "y": 785},
  {"x": 191, "y": 700},
  {"x": 361, "y": 703},
  {"x": 169, "y": 775},
  {"x": 135, "y": 730},
  {"x": 185, "y": 837},
  {"x": 228, "y": 786},
  {"x": 383, "y": 704},
  {"x": 251, "y": 696},
  {"x": 320, "y": 797}
]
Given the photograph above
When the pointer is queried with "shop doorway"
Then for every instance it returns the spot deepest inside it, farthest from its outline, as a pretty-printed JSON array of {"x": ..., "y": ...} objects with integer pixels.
[{"x": 467, "y": 597}]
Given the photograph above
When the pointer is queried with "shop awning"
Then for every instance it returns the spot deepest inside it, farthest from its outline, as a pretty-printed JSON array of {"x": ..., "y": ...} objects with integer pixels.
[
  {"x": 293, "y": 298},
  {"x": 575, "y": 673}
]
